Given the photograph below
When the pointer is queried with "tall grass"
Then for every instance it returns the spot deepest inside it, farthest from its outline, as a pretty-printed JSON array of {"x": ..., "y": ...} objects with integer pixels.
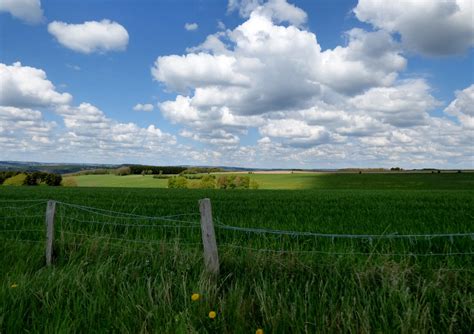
[{"x": 100, "y": 283}]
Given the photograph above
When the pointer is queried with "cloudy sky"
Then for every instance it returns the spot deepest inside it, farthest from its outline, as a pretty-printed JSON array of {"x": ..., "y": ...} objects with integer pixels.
[{"x": 279, "y": 84}]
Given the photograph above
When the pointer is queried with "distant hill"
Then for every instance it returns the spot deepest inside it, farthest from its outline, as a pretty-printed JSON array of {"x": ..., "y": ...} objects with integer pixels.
[{"x": 57, "y": 168}]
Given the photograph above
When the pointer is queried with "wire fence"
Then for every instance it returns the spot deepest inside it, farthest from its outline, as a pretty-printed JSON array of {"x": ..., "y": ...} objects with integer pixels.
[{"x": 23, "y": 221}]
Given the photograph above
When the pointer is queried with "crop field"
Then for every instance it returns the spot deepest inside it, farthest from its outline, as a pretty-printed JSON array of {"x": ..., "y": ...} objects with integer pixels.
[
  {"x": 370, "y": 254},
  {"x": 306, "y": 181}
]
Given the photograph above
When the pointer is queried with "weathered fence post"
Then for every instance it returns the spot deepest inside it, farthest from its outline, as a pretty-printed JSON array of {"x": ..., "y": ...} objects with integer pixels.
[
  {"x": 50, "y": 212},
  {"x": 211, "y": 258}
]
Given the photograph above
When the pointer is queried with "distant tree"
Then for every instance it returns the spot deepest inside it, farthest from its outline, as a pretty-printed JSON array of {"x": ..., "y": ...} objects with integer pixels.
[
  {"x": 222, "y": 182},
  {"x": 242, "y": 182},
  {"x": 207, "y": 182},
  {"x": 53, "y": 180},
  {"x": 30, "y": 180},
  {"x": 121, "y": 171}
]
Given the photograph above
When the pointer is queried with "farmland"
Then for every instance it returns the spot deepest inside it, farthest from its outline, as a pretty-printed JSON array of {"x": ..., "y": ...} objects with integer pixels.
[
  {"x": 104, "y": 281},
  {"x": 306, "y": 181}
]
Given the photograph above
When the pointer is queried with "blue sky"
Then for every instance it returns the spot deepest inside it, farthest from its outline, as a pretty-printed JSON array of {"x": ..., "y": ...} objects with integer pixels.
[{"x": 302, "y": 84}]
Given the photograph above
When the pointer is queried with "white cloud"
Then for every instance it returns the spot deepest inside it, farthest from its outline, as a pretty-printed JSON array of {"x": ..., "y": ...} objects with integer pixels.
[
  {"x": 370, "y": 59},
  {"x": 191, "y": 26},
  {"x": 85, "y": 133},
  {"x": 403, "y": 105},
  {"x": 197, "y": 70},
  {"x": 143, "y": 107},
  {"x": 262, "y": 71},
  {"x": 341, "y": 106},
  {"x": 277, "y": 10},
  {"x": 26, "y": 10},
  {"x": 463, "y": 107},
  {"x": 24, "y": 129},
  {"x": 90, "y": 36},
  {"x": 429, "y": 27},
  {"x": 24, "y": 86}
]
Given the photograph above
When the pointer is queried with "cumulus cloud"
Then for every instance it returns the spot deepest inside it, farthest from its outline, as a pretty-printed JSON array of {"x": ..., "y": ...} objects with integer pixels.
[
  {"x": 143, "y": 107},
  {"x": 28, "y": 11},
  {"x": 90, "y": 36},
  {"x": 403, "y": 105},
  {"x": 84, "y": 132},
  {"x": 436, "y": 28},
  {"x": 278, "y": 10},
  {"x": 463, "y": 107},
  {"x": 191, "y": 26},
  {"x": 261, "y": 70},
  {"x": 345, "y": 105},
  {"x": 24, "y": 86},
  {"x": 24, "y": 129}
]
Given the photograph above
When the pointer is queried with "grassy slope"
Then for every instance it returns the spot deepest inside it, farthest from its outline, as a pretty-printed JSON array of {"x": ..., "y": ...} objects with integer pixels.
[
  {"x": 98, "y": 287},
  {"x": 134, "y": 181},
  {"x": 307, "y": 181}
]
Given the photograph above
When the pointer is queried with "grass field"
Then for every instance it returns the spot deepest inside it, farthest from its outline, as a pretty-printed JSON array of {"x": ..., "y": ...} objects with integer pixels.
[
  {"x": 306, "y": 181},
  {"x": 280, "y": 283}
]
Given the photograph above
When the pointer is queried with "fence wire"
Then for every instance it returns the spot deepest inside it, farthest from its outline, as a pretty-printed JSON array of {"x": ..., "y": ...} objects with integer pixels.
[{"x": 116, "y": 219}]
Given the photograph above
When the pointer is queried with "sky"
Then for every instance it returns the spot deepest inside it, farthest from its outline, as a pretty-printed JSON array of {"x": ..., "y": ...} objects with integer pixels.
[{"x": 247, "y": 83}]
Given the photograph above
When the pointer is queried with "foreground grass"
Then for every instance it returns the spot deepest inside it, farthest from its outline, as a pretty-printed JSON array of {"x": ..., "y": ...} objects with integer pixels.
[{"x": 100, "y": 284}]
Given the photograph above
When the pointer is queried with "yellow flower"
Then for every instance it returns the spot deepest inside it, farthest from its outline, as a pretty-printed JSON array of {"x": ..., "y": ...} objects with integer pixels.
[
  {"x": 14, "y": 286},
  {"x": 195, "y": 297},
  {"x": 212, "y": 314},
  {"x": 259, "y": 331}
]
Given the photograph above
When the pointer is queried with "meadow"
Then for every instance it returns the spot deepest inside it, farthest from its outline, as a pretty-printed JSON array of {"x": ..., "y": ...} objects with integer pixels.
[
  {"x": 121, "y": 270},
  {"x": 305, "y": 181}
]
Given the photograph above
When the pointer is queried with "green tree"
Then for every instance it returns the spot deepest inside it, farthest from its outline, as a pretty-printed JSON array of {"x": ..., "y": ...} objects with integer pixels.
[
  {"x": 208, "y": 182},
  {"x": 177, "y": 182}
]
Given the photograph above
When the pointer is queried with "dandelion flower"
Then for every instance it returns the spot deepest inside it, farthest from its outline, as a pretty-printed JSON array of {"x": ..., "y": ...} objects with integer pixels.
[
  {"x": 212, "y": 314},
  {"x": 14, "y": 286},
  {"x": 259, "y": 331},
  {"x": 195, "y": 297}
]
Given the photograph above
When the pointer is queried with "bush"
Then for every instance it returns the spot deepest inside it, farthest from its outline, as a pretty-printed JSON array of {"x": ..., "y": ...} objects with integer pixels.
[
  {"x": 222, "y": 182},
  {"x": 242, "y": 182},
  {"x": 17, "y": 180},
  {"x": 233, "y": 182},
  {"x": 177, "y": 182},
  {"x": 254, "y": 184},
  {"x": 208, "y": 182},
  {"x": 69, "y": 182}
]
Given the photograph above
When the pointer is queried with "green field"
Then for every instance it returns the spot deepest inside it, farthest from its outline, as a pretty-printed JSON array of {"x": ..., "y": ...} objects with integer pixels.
[
  {"x": 306, "y": 181},
  {"x": 282, "y": 283}
]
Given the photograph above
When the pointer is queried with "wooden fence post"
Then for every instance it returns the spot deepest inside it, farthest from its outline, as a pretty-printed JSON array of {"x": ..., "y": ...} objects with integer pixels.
[
  {"x": 211, "y": 258},
  {"x": 50, "y": 212}
]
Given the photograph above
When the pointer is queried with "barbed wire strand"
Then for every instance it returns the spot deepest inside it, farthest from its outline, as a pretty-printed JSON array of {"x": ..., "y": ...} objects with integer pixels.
[
  {"x": 21, "y": 207},
  {"x": 349, "y": 236},
  {"x": 22, "y": 216},
  {"x": 130, "y": 216},
  {"x": 23, "y": 240},
  {"x": 23, "y": 200},
  {"x": 131, "y": 225},
  {"x": 340, "y": 253},
  {"x": 177, "y": 241}
]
